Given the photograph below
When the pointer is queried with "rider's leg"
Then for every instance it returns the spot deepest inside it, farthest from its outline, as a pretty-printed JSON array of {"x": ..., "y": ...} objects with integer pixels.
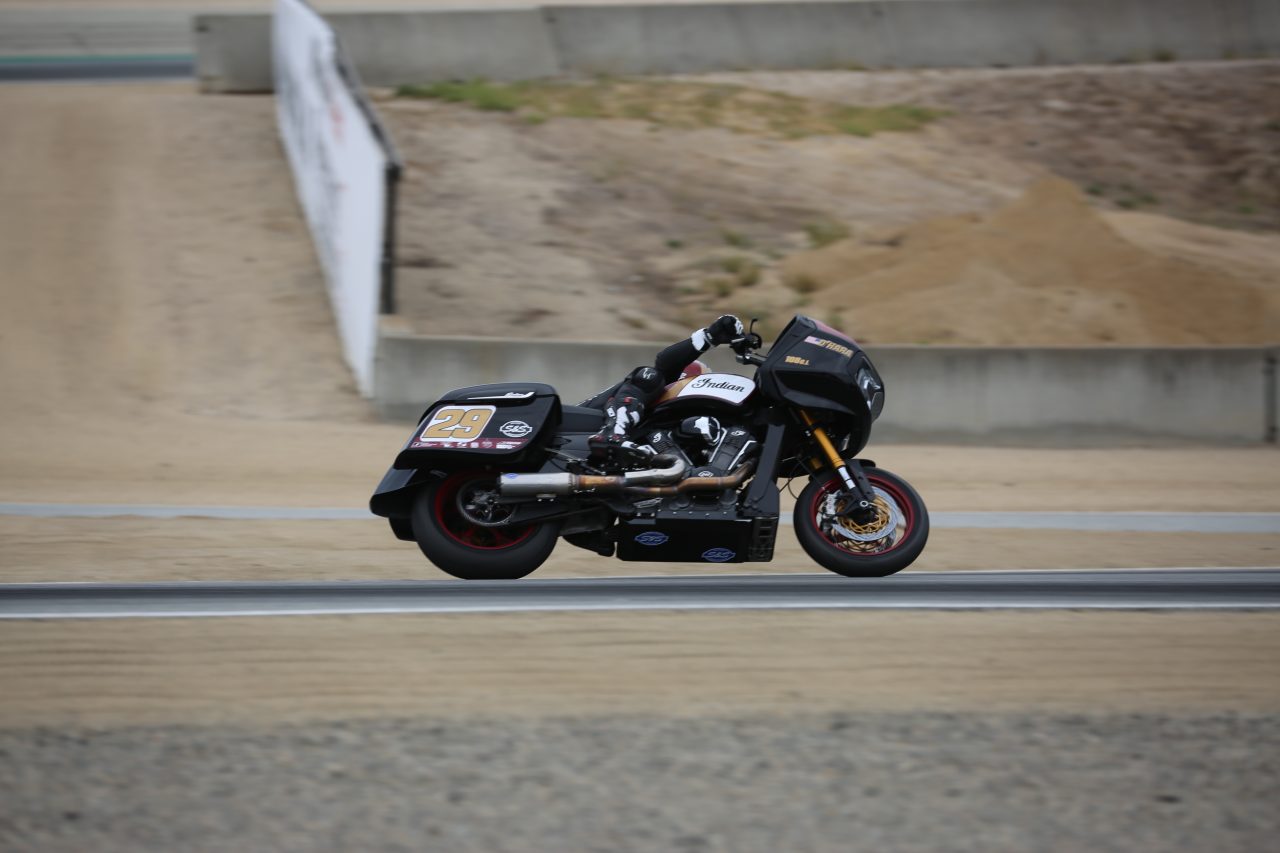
[{"x": 626, "y": 408}]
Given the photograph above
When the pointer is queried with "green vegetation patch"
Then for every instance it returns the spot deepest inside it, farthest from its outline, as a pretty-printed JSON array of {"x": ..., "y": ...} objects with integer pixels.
[
  {"x": 825, "y": 232},
  {"x": 675, "y": 104}
]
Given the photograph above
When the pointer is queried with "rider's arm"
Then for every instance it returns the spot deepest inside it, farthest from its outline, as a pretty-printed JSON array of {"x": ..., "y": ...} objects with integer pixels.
[{"x": 673, "y": 360}]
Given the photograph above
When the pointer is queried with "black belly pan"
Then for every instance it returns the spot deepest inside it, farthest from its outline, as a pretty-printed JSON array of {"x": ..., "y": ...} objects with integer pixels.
[{"x": 697, "y": 540}]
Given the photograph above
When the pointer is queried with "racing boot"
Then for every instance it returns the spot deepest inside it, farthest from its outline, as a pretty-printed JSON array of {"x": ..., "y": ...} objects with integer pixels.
[{"x": 612, "y": 445}]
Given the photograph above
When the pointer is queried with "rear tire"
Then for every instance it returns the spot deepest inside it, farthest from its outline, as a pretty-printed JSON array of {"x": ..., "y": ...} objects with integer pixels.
[
  {"x": 883, "y": 547},
  {"x": 469, "y": 551}
]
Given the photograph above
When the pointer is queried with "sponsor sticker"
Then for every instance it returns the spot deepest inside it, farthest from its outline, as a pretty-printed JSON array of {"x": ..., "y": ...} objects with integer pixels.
[
  {"x": 831, "y": 345},
  {"x": 652, "y": 537},
  {"x": 718, "y": 555},
  {"x": 482, "y": 444},
  {"x": 515, "y": 429}
]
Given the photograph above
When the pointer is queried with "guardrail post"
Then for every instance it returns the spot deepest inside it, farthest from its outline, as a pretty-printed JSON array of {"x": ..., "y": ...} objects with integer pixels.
[{"x": 1270, "y": 397}]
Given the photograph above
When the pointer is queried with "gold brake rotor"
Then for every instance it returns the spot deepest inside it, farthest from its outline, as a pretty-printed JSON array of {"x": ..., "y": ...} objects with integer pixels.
[{"x": 883, "y": 519}]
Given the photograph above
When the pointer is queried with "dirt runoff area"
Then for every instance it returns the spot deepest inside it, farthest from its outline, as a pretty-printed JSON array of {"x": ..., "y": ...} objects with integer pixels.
[{"x": 165, "y": 338}]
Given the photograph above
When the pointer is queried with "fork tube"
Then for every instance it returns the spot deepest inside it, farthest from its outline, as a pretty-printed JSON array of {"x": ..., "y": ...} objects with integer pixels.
[
  {"x": 833, "y": 458},
  {"x": 833, "y": 455}
]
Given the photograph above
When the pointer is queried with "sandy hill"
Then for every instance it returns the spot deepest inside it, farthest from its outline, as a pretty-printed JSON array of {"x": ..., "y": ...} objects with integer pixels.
[
  {"x": 628, "y": 229},
  {"x": 1045, "y": 269}
]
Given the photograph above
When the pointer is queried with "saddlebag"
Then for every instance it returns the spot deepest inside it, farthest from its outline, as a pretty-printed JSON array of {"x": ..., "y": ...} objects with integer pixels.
[{"x": 507, "y": 423}]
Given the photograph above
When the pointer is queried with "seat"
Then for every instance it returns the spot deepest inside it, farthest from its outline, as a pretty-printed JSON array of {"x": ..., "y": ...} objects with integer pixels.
[{"x": 581, "y": 419}]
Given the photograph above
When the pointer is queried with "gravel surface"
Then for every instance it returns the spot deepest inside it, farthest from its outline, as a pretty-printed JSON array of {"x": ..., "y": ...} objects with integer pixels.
[{"x": 822, "y": 782}]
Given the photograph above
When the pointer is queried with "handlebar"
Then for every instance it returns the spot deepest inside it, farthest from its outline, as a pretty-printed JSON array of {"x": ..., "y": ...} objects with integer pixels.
[{"x": 743, "y": 348}]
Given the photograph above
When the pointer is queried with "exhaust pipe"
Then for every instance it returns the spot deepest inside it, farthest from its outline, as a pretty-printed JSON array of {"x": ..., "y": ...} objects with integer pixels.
[
  {"x": 699, "y": 484},
  {"x": 536, "y": 485}
]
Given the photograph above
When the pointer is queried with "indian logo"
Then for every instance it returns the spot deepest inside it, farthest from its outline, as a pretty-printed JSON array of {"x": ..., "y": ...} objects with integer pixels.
[
  {"x": 711, "y": 382},
  {"x": 515, "y": 429},
  {"x": 725, "y": 387}
]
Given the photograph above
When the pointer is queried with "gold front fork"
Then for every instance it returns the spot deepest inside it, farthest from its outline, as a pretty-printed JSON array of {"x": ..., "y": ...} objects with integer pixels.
[{"x": 833, "y": 456}]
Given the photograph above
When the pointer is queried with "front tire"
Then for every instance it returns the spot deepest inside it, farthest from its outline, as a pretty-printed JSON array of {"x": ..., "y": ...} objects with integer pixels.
[
  {"x": 470, "y": 551},
  {"x": 881, "y": 547}
]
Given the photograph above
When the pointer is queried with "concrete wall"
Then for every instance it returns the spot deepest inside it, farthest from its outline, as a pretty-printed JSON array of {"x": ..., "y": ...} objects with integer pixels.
[
  {"x": 499, "y": 44},
  {"x": 390, "y": 48},
  {"x": 663, "y": 39},
  {"x": 32, "y": 30},
  {"x": 1070, "y": 395},
  {"x": 233, "y": 53},
  {"x": 1041, "y": 395}
]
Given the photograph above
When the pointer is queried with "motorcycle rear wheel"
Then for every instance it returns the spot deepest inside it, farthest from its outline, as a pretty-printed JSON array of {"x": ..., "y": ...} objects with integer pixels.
[
  {"x": 470, "y": 551},
  {"x": 885, "y": 545}
]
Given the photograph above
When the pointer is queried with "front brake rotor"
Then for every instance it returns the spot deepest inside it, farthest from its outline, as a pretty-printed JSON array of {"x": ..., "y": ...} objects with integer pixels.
[{"x": 885, "y": 519}]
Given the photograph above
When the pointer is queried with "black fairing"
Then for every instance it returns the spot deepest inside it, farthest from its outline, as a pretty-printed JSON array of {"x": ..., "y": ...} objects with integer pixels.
[{"x": 814, "y": 367}]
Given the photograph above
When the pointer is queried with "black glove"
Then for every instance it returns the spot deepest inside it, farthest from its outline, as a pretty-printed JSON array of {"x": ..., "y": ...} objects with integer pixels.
[{"x": 725, "y": 329}]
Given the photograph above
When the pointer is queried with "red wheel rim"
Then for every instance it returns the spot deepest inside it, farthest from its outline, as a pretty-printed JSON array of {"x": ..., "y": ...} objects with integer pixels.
[
  {"x": 469, "y": 535},
  {"x": 904, "y": 507}
]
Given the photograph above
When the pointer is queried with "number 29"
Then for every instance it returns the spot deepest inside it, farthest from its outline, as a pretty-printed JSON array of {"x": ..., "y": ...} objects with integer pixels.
[{"x": 457, "y": 423}]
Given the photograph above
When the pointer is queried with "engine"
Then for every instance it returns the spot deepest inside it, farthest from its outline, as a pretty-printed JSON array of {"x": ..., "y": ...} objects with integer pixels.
[{"x": 712, "y": 449}]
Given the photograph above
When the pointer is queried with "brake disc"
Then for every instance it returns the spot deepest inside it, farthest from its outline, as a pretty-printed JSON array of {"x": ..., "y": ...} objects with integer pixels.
[
  {"x": 479, "y": 507},
  {"x": 886, "y": 520}
]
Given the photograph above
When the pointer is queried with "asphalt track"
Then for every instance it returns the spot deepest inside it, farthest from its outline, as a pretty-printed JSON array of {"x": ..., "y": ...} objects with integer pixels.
[
  {"x": 1131, "y": 589},
  {"x": 1149, "y": 522},
  {"x": 103, "y": 70}
]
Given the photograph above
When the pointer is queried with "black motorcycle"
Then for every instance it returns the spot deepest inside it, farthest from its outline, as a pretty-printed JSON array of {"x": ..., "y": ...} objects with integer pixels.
[{"x": 494, "y": 474}]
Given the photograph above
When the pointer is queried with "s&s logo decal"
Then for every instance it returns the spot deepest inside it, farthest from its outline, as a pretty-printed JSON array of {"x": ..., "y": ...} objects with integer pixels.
[
  {"x": 515, "y": 429},
  {"x": 652, "y": 537},
  {"x": 718, "y": 555}
]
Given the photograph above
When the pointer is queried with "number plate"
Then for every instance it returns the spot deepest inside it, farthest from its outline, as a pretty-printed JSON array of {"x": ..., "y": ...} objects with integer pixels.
[{"x": 457, "y": 424}]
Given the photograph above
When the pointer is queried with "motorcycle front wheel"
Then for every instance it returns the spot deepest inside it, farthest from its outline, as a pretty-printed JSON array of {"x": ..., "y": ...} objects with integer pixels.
[
  {"x": 874, "y": 548},
  {"x": 470, "y": 551}
]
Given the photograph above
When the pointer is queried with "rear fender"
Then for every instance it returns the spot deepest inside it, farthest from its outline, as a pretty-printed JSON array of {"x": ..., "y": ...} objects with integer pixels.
[{"x": 399, "y": 488}]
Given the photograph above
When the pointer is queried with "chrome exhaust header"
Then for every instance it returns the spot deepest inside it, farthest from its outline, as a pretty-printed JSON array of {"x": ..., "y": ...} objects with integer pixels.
[{"x": 672, "y": 470}]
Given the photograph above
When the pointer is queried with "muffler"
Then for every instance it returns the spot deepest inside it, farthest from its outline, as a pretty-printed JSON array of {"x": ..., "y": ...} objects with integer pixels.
[{"x": 536, "y": 485}]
